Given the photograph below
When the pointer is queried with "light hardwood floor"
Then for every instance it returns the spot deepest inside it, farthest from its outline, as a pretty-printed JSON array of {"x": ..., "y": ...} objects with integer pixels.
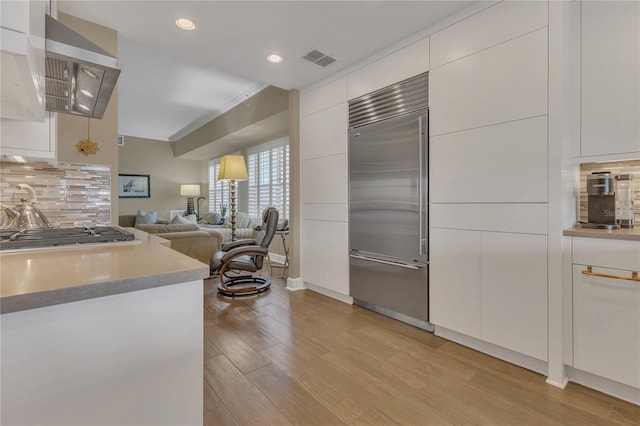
[{"x": 301, "y": 358}]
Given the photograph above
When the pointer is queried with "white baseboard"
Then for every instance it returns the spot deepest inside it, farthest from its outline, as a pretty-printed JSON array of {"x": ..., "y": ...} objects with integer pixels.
[
  {"x": 496, "y": 351},
  {"x": 619, "y": 390},
  {"x": 558, "y": 384},
  {"x": 330, "y": 293},
  {"x": 295, "y": 284}
]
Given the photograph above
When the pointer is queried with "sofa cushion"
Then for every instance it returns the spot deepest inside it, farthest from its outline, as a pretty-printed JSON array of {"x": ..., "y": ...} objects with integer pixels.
[
  {"x": 161, "y": 229},
  {"x": 192, "y": 218},
  {"x": 143, "y": 218}
]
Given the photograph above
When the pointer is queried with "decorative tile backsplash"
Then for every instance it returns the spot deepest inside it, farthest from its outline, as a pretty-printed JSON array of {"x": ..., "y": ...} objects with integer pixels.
[
  {"x": 616, "y": 168},
  {"x": 68, "y": 194}
]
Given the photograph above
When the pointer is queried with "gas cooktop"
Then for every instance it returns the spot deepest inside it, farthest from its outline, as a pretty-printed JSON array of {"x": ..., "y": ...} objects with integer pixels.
[{"x": 13, "y": 239}]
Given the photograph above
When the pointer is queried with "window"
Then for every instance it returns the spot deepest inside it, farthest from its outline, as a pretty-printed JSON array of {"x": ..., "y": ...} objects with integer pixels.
[
  {"x": 268, "y": 167},
  {"x": 219, "y": 191}
]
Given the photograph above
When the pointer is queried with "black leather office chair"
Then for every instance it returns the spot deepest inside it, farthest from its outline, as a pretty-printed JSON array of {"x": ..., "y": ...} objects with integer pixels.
[{"x": 238, "y": 261}]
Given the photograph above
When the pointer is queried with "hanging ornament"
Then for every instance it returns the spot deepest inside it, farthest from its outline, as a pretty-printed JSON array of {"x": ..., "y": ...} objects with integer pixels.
[{"x": 87, "y": 146}]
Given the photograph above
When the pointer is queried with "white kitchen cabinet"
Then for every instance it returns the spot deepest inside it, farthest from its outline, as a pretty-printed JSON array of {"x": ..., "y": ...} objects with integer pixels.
[
  {"x": 508, "y": 160},
  {"x": 325, "y": 96},
  {"x": 454, "y": 280},
  {"x": 610, "y": 66},
  {"x": 29, "y": 139},
  {"x": 606, "y": 325},
  {"x": 513, "y": 299},
  {"x": 325, "y": 132},
  {"x": 324, "y": 255},
  {"x": 503, "y": 83},
  {"x": 324, "y": 189},
  {"x": 507, "y": 20},
  {"x": 393, "y": 68},
  {"x": 22, "y": 46}
]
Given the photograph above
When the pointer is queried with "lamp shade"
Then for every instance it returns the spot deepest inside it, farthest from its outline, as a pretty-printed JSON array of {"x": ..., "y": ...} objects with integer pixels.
[
  {"x": 233, "y": 167},
  {"x": 190, "y": 190}
]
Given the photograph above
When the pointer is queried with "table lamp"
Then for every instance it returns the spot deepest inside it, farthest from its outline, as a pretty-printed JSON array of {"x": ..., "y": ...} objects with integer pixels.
[
  {"x": 233, "y": 168},
  {"x": 190, "y": 191}
]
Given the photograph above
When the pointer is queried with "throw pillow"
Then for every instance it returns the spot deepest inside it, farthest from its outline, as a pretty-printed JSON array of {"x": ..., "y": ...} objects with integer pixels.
[
  {"x": 143, "y": 218},
  {"x": 212, "y": 218},
  {"x": 242, "y": 220},
  {"x": 183, "y": 220}
]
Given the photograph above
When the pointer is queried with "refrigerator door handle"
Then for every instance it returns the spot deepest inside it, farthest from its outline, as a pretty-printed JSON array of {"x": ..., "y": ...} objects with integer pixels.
[
  {"x": 420, "y": 196},
  {"x": 386, "y": 262}
]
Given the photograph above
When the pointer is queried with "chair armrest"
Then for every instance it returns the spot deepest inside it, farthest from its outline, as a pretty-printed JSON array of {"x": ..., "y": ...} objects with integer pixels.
[
  {"x": 239, "y": 251},
  {"x": 238, "y": 243}
]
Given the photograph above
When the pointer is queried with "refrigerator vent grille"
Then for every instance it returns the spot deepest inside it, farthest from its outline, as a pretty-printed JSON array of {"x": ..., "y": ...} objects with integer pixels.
[{"x": 401, "y": 98}]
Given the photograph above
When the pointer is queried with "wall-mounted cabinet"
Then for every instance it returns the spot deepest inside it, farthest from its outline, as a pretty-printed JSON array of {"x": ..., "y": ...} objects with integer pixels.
[
  {"x": 22, "y": 43},
  {"x": 610, "y": 77}
]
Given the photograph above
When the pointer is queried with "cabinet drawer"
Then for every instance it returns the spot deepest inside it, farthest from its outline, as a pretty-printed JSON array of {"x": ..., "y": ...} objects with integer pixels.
[
  {"x": 617, "y": 254},
  {"x": 606, "y": 325}
]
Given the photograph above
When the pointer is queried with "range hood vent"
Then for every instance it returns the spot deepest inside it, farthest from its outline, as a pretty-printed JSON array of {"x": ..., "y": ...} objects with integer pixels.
[{"x": 80, "y": 76}]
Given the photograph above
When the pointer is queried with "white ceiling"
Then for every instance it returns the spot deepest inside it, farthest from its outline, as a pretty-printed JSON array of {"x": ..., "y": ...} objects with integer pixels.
[{"x": 173, "y": 80}]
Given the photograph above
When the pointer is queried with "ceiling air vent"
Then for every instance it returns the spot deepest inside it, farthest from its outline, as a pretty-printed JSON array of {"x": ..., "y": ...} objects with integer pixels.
[{"x": 318, "y": 58}]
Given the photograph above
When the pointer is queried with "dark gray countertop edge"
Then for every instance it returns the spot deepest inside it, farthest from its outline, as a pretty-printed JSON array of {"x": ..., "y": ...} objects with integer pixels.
[
  {"x": 43, "y": 299},
  {"x": 602, "y": 233}
]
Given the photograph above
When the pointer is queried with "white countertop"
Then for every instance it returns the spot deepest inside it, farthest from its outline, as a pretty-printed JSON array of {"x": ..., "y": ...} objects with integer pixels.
[
  {"x": 38, "y": 278},
  {"x": 615, "y": 234}
]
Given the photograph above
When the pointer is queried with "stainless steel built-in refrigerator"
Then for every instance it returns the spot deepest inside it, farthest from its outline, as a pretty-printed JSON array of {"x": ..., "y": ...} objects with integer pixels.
[{"x": 388, "y": 201}]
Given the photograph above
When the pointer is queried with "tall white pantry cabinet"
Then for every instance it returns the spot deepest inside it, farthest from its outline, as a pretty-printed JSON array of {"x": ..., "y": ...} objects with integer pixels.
[{"x": 513, "y": 88}]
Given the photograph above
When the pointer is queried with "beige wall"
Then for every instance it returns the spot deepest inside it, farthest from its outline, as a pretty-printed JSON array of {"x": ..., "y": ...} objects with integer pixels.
[
  {"x": 72, "y": 129},
  {"x": 155, "y": 158}
]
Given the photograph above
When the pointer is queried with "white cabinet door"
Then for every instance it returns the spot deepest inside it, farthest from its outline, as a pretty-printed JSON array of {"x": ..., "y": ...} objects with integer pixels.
[
  {"x": 324, "y": 255},
  {"x": 509, "y": 161},
  {"x": 454, "y": 280},
  {"x": 325, "y": 96},
  {"x": 399, "y": 65},
  {"x": 503, "y": 83},
  {"x": 507, "y": 20},
  {"x": 514, "y": 292},
  {"x": 606, "y": 325},
  {"x": 29, "y": 139},
  {"x": 325, "y": 132},
  {"x": 610, "y": 77}
]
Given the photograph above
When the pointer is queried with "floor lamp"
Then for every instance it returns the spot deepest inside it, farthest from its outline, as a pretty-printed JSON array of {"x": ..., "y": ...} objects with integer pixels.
[{"x": 233, "y": 168}]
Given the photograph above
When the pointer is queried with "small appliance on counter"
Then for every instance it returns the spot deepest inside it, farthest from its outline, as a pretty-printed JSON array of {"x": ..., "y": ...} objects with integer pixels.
[
  {"x": 624, "y": 200},
  {"x": 601, "y": 202},
  {"x": 24, "y": 215}
]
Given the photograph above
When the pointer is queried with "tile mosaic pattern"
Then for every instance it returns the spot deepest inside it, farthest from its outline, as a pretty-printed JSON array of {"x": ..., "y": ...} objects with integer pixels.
[
  {"x": 68, "y": 194},
  {"x": 616, "y": 168}
]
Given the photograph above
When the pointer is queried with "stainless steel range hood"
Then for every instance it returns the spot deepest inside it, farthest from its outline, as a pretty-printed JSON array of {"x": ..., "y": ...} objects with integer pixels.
[{"x": 80, "y": 76}]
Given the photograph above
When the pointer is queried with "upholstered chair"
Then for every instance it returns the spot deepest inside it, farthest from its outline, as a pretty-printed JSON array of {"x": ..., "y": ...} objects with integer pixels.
[{"x": 239, "y": 262}]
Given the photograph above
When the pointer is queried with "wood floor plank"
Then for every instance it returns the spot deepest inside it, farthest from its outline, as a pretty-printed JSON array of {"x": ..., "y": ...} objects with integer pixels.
[
  {"x": 329, "y": 386},
  {"x": 219, "y": 416},
  {"x": 246, "y": 404},
  {"x": 297, "y": 405},
  {"x": 345, "y": 341},
  {"x": 239, "y": 352},
  {"x": 373, "y": 417},
  {"x": 294, "y": 340},
  {"x": 210, "y": 349}
]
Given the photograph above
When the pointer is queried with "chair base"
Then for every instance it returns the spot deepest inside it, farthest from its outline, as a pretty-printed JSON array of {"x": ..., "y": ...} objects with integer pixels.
[{"x": 261, "y": 284}]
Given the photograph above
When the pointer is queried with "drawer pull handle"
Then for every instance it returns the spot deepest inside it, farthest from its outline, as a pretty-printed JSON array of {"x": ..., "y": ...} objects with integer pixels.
[{"x": 633, "y": 277}]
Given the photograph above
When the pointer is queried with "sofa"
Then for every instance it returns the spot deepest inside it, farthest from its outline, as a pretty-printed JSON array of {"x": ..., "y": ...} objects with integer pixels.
[
  {"x": 245, "y": 228},
  {"x": 187, "y": 239}
]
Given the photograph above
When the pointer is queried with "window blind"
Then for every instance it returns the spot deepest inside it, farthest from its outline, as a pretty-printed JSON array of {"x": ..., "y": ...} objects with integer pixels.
[
  {"x": 219, "y": 191},
  {"x": 268, "y": 167}
]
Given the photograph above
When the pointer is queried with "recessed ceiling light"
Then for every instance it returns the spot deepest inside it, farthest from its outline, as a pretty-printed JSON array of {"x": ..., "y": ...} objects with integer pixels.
[
  {"x": 274, "y": 59},
  {"x": 185, "y": 24}
]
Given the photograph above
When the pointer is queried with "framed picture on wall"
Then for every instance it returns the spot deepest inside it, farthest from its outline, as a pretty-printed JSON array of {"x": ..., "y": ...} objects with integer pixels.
[{"x": 134, "y": 186}]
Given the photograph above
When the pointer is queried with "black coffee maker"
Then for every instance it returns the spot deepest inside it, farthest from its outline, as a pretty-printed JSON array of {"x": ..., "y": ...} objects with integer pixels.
[{"x": 602, "y": 201}]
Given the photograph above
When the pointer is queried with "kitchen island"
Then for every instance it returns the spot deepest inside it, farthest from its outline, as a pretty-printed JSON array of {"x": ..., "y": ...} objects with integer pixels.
[{"x": 107, "y": 334}]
